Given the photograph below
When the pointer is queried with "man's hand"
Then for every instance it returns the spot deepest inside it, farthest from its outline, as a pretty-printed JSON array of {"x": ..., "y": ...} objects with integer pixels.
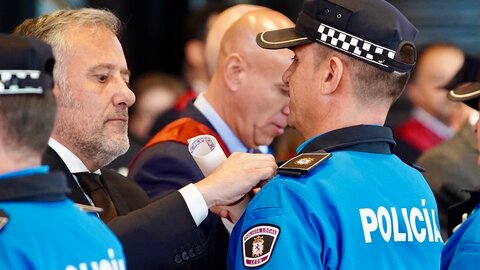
[
  {"x": 239, "y": 174},
  {"x": 232, "y": 212}
]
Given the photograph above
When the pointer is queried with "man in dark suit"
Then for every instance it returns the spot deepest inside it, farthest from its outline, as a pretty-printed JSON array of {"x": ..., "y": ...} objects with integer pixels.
[
  {"x": 244, "y": 107},
  {"x": 91, "y": 88}
]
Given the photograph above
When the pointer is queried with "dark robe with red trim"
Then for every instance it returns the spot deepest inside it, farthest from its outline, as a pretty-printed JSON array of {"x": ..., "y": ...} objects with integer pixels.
[
  {"x": 164, "y": 165},
  {"x": 413, "y": 138}
]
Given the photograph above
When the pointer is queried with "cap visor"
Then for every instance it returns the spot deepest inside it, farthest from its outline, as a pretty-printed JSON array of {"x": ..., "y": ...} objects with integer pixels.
[
  {"x": 280, "y": 39},
  {"x": 468, "y": 93}
]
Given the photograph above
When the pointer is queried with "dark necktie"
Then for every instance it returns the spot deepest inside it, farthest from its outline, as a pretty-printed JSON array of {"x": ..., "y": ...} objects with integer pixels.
[
  {"x": 253, "y": 150},
  {"x": 91, "y": 184}
]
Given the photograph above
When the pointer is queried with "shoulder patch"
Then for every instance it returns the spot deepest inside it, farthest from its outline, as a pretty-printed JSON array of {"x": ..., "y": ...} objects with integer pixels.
[
  {"x": 258, "y": 243},
  {"x": 4, "y": 218},
  {"x": 302, "y": 164}
]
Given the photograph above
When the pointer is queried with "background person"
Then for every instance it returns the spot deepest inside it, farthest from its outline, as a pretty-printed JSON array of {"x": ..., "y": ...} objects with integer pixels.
[
  {"x": 434, "y": 118},
  {"x": 451, "y": 166},
  {"x": 462, "y": 250}
]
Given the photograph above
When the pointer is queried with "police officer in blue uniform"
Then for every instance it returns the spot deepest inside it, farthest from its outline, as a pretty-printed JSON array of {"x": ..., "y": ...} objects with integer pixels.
[
  {"x": 39, "y": 227},
  {"x": 345, "y": 202},
  {"x": 462, "y": 250}
]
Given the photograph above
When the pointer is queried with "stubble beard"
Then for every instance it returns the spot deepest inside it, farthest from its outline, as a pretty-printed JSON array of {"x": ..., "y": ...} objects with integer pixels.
[
  {"x": 88, "y": 140},
  {"x": 93, "y": 145}
]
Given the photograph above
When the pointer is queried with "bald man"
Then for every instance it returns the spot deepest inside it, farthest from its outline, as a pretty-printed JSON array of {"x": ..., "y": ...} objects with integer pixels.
[
  {"x": 434, "y": 117},
  {"x": 245, "y": 106},
  {"x": 201, "y": 56},
  {"x": 218, "y": 29}
]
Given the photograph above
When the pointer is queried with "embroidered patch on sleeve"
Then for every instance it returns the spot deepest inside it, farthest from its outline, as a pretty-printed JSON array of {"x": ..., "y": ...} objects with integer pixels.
[{"x": 258, "y": 243}]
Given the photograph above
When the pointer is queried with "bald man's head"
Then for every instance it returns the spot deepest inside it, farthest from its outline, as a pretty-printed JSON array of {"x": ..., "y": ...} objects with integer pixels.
[
  {"x": 218, "y": 29},
  {"x": 240, "y": 37},
  {"x": 247, "y": 89}
]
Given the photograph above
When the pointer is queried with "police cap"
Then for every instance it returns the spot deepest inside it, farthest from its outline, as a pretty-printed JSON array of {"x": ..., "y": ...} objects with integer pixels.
[
  {"x": 465, "y": 86},
  {"x": 373, "y": 31},
  {"x": 26, "y": 65}
]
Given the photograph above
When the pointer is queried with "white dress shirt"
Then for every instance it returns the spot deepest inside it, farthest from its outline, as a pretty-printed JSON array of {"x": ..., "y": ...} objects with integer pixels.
[{"x": 193, "y": 198}]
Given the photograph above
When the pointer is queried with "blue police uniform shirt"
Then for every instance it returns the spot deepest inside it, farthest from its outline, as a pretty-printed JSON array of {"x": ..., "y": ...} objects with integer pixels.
[
  {"x": 462, "y": 250},
  {"x": 361, "y": 209},
  {"x": 45, "y": 230}
]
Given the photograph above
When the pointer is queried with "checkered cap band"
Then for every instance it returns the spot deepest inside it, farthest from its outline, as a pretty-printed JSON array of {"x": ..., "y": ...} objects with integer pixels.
[
  {"x": 353, "y": 45},
  {"x": 20, "y": 82}
]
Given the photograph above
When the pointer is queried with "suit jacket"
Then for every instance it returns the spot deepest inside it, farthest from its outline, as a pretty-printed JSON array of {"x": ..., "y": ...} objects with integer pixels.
[
  {"x": 450, "y": 167},
  {"x": 157, "y": 235},
  {"x": 168, "y": 166}
]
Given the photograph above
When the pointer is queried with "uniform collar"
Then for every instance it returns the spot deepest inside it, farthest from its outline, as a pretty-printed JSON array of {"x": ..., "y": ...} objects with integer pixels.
[
  {"x": 25, "y": 172},
  {"x": 36, "y": 187},
  {"x": 362, "y": 138}
]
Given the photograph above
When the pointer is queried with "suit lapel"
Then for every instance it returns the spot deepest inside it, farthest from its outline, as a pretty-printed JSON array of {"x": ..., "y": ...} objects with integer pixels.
[
  {"x": 117, "y": 198},
  {"x": 53, "y": 160}
]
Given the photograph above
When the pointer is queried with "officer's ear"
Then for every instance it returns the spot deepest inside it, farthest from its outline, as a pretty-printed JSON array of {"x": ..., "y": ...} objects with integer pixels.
[
  {"x": 234, "y": 66},
  {"x": 331, "y": 75}
]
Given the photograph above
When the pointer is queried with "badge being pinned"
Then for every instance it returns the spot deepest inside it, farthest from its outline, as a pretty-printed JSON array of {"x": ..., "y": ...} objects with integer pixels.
[
  {"x": 258, "y": 243},
  {"x": 302, "y": 164}
]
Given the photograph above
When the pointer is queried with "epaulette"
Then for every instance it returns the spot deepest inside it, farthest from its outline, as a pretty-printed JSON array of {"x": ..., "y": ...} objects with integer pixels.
[
  {"x": 302, "y": 164},
  {"x": 89, "y": 208},
  {"x": 416, "y": 167},
  {"x": 4, "y": 218}
]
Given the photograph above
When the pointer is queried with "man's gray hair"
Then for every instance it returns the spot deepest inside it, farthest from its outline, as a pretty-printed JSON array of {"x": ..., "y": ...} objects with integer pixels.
[{"x": 51, "y": 29}]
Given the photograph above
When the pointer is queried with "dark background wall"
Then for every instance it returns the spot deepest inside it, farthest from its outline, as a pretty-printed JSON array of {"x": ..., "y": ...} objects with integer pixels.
[
  {"x": 153, "y": 28},
  {"x": 456, "y": 21}
]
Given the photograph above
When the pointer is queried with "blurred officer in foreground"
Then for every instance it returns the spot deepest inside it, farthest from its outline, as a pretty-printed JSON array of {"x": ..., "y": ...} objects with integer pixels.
[
  {"x": 39, "y": 227},
  {"x": 346, "y": 199},
  {"x": 462, "y": 250},
  {"x": 91, "y": 88}
]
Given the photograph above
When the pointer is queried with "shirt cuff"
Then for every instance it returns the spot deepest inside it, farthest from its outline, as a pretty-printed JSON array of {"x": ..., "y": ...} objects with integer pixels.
[{"x": 195, "y": 203}]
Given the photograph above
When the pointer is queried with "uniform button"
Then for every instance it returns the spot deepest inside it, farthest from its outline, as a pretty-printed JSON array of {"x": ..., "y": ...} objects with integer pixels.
[
  {"x": 185, "y": 256},
  {"x": 198, "y": 250},
  {"x": 178, "y": 259},
  {"x": 191, "y": 253}
]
